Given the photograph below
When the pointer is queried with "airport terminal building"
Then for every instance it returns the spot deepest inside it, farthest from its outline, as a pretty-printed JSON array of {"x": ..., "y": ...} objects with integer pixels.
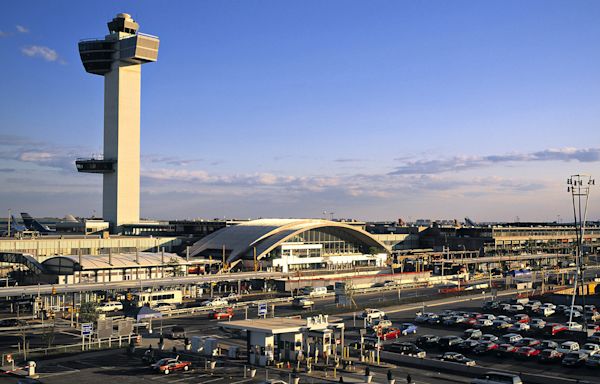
[{"x": 291, "y": 245}]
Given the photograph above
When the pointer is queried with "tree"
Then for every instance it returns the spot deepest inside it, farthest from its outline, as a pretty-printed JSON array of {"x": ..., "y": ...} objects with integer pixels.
[
  {"x": 175, "y": 267},
  {"x": 88, "y": 312}
]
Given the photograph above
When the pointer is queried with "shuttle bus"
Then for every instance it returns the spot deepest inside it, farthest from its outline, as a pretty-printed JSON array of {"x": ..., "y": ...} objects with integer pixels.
[{"x": 154, "y": 298}]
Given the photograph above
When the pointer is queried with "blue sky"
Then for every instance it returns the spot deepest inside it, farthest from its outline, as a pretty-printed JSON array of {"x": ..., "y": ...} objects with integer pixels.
[{"x": 372, "y": 109}]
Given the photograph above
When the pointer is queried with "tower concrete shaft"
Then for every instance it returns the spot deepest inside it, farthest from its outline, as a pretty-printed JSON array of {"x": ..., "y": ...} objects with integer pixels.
[{"x": 118, "y": 57}]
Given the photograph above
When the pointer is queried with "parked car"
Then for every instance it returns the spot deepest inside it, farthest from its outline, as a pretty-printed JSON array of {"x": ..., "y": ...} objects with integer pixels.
[
  {"x": 505, "y": 318},
  {"x": 453, "y": 320},
  {"x": 505, "y": 350},
  {"x": 498, "y": 378},
  {"x": 427, "y": 341},
  {"x": 516, "y": 308},
  {"x": 537, "y": 324},
  {"x": 449, "y": 342},
  {"x": 501, "y": 324},
  {"x": 382, "y": 324},
  {"x": 511, "y": 338},
  {"x": 488, "y": 337},
  {"x": 573, "y": 326},
  {"x": 593, "y": 361},
  {"x": 519, "y": 327},
  {"x": 550, "y": 356},
  {"x": 407, "y": 328},
  {"x": 591, "y": 348},
  {"x": 568, "y": 346},
  {"x": 488, "y": 316},
  {"x": 547, "y": 344},
  {"x": 521, "y": 318},
  {"x": 473, "y": 334},
  {"x": 554, "y": 329},
  {"x": 422, "y": 317},
  {"x": 434, "y": 319},
  {"x": 527, "y": 353},
  {"x": 176, "y": 332},
  {"x": 233, "y": 296},
  {"x": 527, "y": 342},
  {"x": 405, "y": 348},
  {"x": 467, "y": 345},
  {"x": 483, "y": 323},
  {"x": 595, "y": 337},
  {"x": 456, "y": 357},
  {"x": 485, "y": 347},
  {"x": 168, "y": 365},
  {"x": 574, "y": 359}
]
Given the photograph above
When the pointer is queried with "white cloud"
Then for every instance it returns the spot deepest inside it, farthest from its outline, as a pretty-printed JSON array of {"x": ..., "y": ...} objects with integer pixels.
[
  {"x": 22, "y": 29},
  {"x": 461, "y": 163},
  {"x": 41, "y": 51}
]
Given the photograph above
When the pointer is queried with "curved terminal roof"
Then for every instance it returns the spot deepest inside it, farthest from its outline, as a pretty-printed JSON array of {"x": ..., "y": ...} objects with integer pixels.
[
  {"x": 267, "y": 234},
  {"x": 69, "y": 263}
]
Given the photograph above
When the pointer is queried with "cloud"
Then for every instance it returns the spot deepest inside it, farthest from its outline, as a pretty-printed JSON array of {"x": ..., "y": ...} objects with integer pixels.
[
  {"x": 22, "y": 29},
  {"x": 170, "y": 160},
  {"x": 4, "y": 34},
  {"x": 347, "y": 160},
  {"x": 41, "y": 51},
  {"x": 461, "y": 163},
  {"x": 7, "y": 170}
]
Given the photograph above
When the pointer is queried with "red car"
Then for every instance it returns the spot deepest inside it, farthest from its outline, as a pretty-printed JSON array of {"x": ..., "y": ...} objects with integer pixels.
[
  {"x": 470, "y": 321},
  {"x": 221, "y": 314},
  {"x": 169, "y": 365},
  {"x": 521, "y": 318},
  {"x": 390, "y": 333},
  {"x": 527, "y": 353},
  {"x": 554, "y": 329}
]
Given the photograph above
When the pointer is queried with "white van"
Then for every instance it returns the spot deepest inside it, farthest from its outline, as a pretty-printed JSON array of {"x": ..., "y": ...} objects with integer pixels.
[
  {"x": 318, "y": 291},
  {"x": 110, "y": 306}
]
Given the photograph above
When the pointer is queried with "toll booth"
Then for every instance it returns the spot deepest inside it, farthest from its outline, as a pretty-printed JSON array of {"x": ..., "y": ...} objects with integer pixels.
[{"x": 281, "y": 339}]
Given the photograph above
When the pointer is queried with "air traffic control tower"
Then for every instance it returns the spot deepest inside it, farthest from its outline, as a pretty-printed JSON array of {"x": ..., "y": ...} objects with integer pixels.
[{"x": 119, "y": 58}]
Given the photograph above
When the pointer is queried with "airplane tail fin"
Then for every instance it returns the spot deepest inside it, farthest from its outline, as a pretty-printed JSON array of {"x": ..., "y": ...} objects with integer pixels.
[{"x": 33, "y": 224}]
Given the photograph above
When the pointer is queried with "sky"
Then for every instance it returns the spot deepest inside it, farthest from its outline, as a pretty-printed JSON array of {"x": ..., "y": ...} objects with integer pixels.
[{"x": 373, "y": 110}]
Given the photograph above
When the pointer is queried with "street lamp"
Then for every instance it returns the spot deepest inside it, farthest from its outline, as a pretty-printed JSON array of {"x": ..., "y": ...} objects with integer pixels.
[{"x": 579, "y": 187}]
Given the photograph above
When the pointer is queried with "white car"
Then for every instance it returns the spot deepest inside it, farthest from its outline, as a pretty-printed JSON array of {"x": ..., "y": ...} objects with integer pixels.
[
  {"x": 371, "y": 314},
  {"x": 568, "y": 346},
  {"x": 110, "y": 306},
  {"x": 519, "y": 327},
  {"x": 573, "y": 326},
  {"x": 382, "y": 323},
  {"x": 516, "y": 308},
  {"x": 216, "y": 302},
  {"x": 164, "y": 306},
  {"x": 482, "y": 323},
  {"x": 537, "y": 323},
  {"x": 591, "y": 348}
]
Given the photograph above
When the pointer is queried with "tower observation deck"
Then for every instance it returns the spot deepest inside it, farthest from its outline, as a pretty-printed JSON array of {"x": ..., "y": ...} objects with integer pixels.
[{"x": 118, "y": 57}]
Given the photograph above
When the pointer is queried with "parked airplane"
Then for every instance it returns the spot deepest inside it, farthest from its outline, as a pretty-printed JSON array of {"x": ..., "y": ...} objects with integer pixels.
[
  {"x": 14, "y": 227},
  {"x": 34, "y": 225}
]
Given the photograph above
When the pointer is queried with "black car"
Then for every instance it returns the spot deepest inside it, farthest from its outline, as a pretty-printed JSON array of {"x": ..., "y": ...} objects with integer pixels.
[
  {"x": 405, "y": 348},
  {"x": 427, "y": 341},
  {"x": 467, "y": 346},
  {"x": 449, "y": 342}
]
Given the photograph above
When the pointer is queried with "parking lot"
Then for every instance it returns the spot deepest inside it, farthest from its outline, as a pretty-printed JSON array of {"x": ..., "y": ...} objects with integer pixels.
[{"x": 491, "y": 360}]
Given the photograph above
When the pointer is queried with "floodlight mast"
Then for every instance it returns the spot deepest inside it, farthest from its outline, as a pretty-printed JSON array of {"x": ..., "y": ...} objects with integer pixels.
[{"x": 579, "y": 186}]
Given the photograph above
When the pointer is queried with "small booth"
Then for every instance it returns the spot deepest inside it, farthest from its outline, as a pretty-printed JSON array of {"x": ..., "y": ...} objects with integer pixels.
[{"x": 287, "y": 339}]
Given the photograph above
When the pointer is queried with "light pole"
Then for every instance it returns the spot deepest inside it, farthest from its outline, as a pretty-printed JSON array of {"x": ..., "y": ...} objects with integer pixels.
[{"x": 579, "y": 186}]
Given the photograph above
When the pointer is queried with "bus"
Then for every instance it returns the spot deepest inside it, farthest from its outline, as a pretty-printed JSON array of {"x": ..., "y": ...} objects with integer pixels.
[{"x": 154, "y": 298}]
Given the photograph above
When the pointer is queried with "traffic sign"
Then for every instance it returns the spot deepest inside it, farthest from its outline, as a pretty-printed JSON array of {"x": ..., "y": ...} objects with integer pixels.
[
  {"x": 262, "y": 309},
  {"x": 87, "y": 329}
]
